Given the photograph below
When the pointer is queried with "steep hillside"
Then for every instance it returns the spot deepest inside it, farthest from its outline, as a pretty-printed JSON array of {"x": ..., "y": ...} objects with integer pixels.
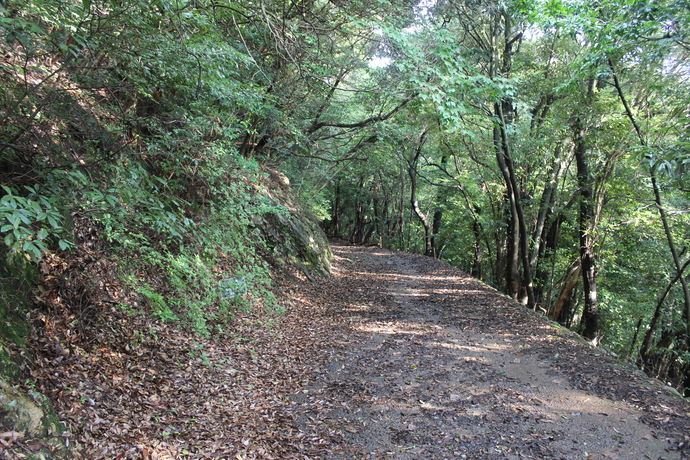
[
  {"x": 133, "y": 202},
  {"x": 105, "y": 329}
]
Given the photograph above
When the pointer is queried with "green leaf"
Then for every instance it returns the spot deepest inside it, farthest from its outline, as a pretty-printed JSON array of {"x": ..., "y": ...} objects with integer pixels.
[
  {"x": 30, "y": 247},
  {"x": 112, "y": 200},
  {"x": 37, "y": 207},
  {"x": 23, "y": 215},
  {"x": 14, "y": 220}
]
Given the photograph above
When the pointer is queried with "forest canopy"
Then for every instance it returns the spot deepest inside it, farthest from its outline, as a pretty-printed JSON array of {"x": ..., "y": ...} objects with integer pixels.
[{"x": 540, "y": 146}]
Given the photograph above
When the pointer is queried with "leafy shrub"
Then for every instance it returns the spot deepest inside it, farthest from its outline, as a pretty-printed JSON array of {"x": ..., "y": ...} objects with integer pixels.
[
  {"x": 28, "y": 222},
  {"x": 160, "y": 108}
]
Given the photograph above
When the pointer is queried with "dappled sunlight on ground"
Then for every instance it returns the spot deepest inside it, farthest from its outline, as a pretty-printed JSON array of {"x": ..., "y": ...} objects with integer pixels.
[
  {"x": 433, "y": 364},
  {"x": 394, "y": 328}
]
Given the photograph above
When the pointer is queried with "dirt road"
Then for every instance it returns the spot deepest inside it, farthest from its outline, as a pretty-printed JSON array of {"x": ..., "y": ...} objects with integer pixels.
[{"x": 423, "y": 362}]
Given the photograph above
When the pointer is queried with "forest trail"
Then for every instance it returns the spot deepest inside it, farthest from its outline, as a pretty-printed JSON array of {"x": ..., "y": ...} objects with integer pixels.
[{"x": 423, "y": 362}]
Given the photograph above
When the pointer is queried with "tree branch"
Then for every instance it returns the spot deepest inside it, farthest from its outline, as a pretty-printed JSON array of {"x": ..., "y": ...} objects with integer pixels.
[{"x": 360, "y": 124}]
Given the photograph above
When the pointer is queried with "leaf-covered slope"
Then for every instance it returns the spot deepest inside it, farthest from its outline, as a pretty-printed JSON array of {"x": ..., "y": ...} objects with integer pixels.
[{"x": 116, "y": 343}]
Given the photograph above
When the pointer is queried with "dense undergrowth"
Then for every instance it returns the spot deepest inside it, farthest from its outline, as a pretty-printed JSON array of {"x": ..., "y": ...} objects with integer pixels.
[
  {"x": 110, "y": 146},
  {"x": 123, "y": 186}
]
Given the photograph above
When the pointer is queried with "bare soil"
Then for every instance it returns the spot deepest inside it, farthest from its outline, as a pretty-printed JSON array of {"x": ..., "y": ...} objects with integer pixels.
[{"x": 424, "y": 362}]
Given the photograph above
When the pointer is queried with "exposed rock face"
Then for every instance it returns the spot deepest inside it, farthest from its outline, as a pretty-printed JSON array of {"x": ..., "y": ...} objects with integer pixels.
[
  {"x": 295, "y": 235},
  {"x": 28, "y": 416},
  {"x": 26, "y": 413}
]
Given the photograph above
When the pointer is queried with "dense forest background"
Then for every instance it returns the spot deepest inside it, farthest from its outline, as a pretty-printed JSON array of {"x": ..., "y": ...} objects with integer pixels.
[{"x": 540, "y": 146}]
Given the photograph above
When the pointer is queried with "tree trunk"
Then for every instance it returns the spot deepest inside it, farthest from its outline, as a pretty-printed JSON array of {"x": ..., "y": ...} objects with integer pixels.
[
  {"x": 412, "y": 172},
  {"x": 638, "y": 327},
  {"x": 436, "y": 228},
  {"x": 377, "y": 227},
  {"x": 658, "y": 200},
  {"x": 334, "y": 226},
  {"x": 505, "y": 162},
  {"x": 570, "y": 282},
  {"x": 590, "y": 315},
  {"x": 647, "y": 341},
  {"x": 401, "y": 210},
  {"x": 477, "y": 262},
  {"x": 504, "y": 114},
  {"x": 357, "y": 233},
  {"x": 512, "y": 259},
  {"x": 672, "y": 246},
  {"x": 547, "y": 251},
  {"x": 546, "y": 205},
  {"x": 437, "y": 220}
]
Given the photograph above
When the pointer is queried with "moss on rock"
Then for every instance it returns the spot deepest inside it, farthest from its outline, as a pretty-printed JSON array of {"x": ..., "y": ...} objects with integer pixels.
[{"x": 295, "y": 235}]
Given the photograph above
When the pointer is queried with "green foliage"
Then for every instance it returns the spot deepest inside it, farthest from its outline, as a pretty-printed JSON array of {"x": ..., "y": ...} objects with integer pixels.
[
  {"x": 159, "y": 306},
  {"x": 147, "y": 151},
  {"x": 130, "y": 203},
  {"x": 17, "y": 278},
  {"x": 29, "y": 222},
  {"x": 193, "y": 267},
  {"x": 127, "y": 205}
]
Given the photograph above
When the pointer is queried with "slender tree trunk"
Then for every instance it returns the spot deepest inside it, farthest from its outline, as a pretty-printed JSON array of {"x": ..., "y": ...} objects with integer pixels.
[
  {"x": 638, "y": 327},
  {"x": 570, "y": 282},
  {"x": 647, "y": 341},
  {"x": 401, "y": 209},
  {"x": 569, "y": 310},
  {"x": 437, "y": 220},
  {"x": 377, "y": 226},
  {"x": 501, "y": 45},
  {"x": 505, "y": 161},
  {"x": 412, "y": 172},
  {"x": 385, "y": 220},
  {"x": 504, "y": 112},
  {"x": 335, "y": 224},
  {"x": 512, "y": 260},
  {"x": 477, "y": 261},
  {"x": 659, "y": 203},
  {"x": 357, "y": 233},
  {"x": 423, "y": 218},
  {"x": 499, "y": 268},
  {"x": 436, "y": 228},
  {"x": 545, "y": 206},
  {"x": 590, "y": 315},
  {"x": 672, "y": 246},
  {"x": 548, "y": 253}
]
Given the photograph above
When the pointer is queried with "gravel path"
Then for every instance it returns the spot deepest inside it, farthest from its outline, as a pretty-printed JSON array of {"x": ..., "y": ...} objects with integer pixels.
[{"x": 424, "y": 362}]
